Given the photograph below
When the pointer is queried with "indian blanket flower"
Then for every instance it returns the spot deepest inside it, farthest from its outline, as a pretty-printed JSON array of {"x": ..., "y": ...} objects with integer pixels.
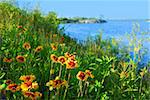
[
  {"x": 57, "y": 83},
  {"x": 82, "y": 76},
  {"x": 54, "y": 58},
  {"x": 8, "y": 60},
  {"x": 32, "y": 95},
  {"x": 71, "y": 64},
  {"x": 89, "y": 74},
  {"x": 38, "y": 49},
  {"x": 20, "y": 27},
  {"x": 62, "y": 60},
  {"x": 13, "y": 87},
  {"x": 70, "y": 56},
  {"x": 26, "y": 45},
  {"x": 27, "y": 78},
  {"x": 8, "y": 81},
  {"x": 26, "y": 86},
  {"x": 53, "y": 46},
  {"x": 124, "y": 74},
  {"x": 20, "y": 59}
]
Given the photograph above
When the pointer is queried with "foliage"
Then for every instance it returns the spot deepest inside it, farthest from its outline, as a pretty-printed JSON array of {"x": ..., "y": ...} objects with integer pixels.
[{"x": 42, "y": 62}]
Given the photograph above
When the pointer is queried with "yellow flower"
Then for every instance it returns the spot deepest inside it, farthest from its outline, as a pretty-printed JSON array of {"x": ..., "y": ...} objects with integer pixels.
[
  {"x": 38, "y": 49},
  {"x": 71, "y": 64},
  {"x": 88, "y": 72},
  {"x": 82, "y": 76},
  {"x": 26, "y": 45},
  {"x": 13, "y": 87},
  {"x": 62, "y": 60},
  {"x": 54, "y": 58},
  {"x": 27, "y": 78},
  {"x": 20, "y": 59},
  {"x": 26, "y": 86}
]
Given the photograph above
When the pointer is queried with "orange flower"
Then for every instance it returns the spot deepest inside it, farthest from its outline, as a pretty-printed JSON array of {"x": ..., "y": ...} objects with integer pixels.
[
  {"x": 13, "y": 87},
  {"x": 8, "y": 60},
  {"x": 32, "y": 95},
  {"x": 26, "y": 45},
  {"x": 88, "y": 73},
  {"x": 54, "y": 58},
  {"x": 62, "y": 60},
  {"x": 71, "y": 64},
  {"x": 27, "y": 78},
  {"x": 57, "y": 83},
  {"x": 26, "y": 86},
  {"x": 20, "y": 59},
  {"x": 38, "y": 49},
  {"x": 82, "y": 76},
  {"x": 54, "y": 47}
]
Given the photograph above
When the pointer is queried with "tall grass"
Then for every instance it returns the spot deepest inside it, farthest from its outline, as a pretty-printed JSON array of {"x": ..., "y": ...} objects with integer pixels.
[{"x": 38, "y": 61}]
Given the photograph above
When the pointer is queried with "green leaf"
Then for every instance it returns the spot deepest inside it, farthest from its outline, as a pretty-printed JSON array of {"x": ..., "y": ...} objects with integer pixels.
[
  {"x": 99, "y": 60},
  {"x": 3, "y": 74}
]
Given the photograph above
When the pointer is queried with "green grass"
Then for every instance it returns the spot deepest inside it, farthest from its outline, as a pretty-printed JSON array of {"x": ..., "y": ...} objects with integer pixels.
[{"x": 114, "y": 78}]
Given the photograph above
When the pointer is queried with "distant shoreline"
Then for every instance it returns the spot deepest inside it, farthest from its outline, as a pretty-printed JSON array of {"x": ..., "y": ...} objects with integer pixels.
[{"x": 81, "y": 20}]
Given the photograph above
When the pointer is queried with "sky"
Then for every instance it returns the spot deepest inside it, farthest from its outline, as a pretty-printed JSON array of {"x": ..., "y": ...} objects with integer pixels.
[{"x": 107, "y": 9}]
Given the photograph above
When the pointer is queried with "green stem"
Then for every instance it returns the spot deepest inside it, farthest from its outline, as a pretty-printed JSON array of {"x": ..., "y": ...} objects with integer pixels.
[
  {"x": 60, "y": 71},
  {"x": 67, "y": 86}
]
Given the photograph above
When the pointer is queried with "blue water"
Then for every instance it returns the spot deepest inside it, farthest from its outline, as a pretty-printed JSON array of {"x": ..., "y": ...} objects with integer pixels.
[{"x": 111, "y": 29}]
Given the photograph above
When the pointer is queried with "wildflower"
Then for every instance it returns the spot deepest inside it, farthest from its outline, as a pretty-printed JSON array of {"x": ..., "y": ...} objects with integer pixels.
[
  {"x": 70, "y": 56},
  {"x": 143, "y": 72},
  {"x": 13, "y": 87},
  {"x": 57, "y": 83},
  {"x": 88, "y": 72},
  {"x": 8, "y": 60},
  {"x": 26, "y": 45},
  {"x": 71, "y": 64},
  {"x": 82, "y": 76},
  {"x": 54, "y": 47},
  {"x": 51, "y": 71},
  {"x": 8, "y": 82},
  {"x": 54, "y": 35},
  {"x": 35, "y": 85},
  {"x": 26, "y": 86},
  {"x": 123, "y": 74},
  {"x": 32, "y": 95},
  {"x": 62, "y": 60},
  {"x": 20, "y": 27},
  {"x": 67, "y": 54},
  {"x": 54, "y": 58},
  {"x": 27, "y": 78},
  {"x": 20, "y": 59},
  {"x": 62, "y": 39},
  {"x": 38, "y": 49}
]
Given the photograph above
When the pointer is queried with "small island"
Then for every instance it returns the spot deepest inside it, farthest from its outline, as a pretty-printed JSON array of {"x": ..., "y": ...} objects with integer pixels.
[{"x": 81, "y": 20}]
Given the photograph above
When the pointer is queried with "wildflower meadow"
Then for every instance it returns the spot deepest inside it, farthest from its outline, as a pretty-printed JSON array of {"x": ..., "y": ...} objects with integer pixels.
[{"x": 39, "y": 62}]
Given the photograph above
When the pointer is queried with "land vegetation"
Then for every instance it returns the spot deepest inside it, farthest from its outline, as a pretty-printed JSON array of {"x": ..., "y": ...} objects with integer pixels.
[{"x": 39, "y": 62}]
